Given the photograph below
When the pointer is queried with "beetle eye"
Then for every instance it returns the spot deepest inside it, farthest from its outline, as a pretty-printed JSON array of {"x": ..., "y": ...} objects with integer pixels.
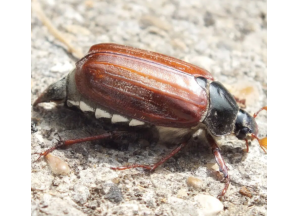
[{"x": 242, "y": 133}]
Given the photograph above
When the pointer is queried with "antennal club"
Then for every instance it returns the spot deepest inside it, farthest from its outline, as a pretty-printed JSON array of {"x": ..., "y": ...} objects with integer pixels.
[{"x": 263, "y": 141}]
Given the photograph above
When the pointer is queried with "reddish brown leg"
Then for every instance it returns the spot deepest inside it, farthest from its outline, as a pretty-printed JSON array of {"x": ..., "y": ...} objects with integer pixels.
[
  {"x": 154, "y": 166},
  {"x": 247, "y": 147},
  {"x": 65, "y": 143},
  {"x": 241, "y": 102},
  {"x": 222, "y": 166},
  {"x": 263, "y": 108}
]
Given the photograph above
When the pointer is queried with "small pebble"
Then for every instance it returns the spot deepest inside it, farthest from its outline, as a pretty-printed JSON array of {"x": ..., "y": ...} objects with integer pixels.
[
  {"x": 209, "y": 205},
  {"x": 114, "y": 194},
  {"x": 115, "y": 180},
  {"x": 148, "y": 20},
  {"x": 194, "y": 182},
  {"x": 208, "y": 19},
  {"x": 89, "y": 3},
  {"x": 81, "y": 193},
  {"x": 212, "y": 166},
  {"x": 245, "y": 192},
  {"x": 182, "y": 193},
  {"x": 57, "y": 165}
]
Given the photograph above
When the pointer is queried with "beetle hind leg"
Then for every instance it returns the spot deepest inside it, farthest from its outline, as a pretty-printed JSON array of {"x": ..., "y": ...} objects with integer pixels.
[
  {"x": 219, "y": 160},
  {"x": 154, "y": 166},
  {"x": 64, "y": 143}
]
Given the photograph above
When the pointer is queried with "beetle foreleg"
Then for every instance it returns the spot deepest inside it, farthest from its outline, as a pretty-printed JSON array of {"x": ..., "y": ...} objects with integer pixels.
[
  {"x": 154, "y": 166},
  {"x": 219, "y": 160},
  {"x": 247, "y": 145},
  {"x": 241, "y": 102}
]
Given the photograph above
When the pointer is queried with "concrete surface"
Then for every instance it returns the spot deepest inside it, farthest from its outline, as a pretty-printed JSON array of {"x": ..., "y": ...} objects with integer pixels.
[{"x": 226, "y": 37}]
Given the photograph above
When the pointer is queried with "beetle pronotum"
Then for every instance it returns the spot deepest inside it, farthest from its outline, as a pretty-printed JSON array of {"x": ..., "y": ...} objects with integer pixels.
[{"x": 145, "y": 89}]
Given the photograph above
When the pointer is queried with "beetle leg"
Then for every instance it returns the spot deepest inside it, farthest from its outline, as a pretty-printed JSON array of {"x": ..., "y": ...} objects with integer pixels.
[
  {"x": 61, "y": 143},
  {"x": 257, "y": 113},
  {"x": 247, "y": 146},
  {"x": 154, "y": 166},
  {"x": 219, "y": 160},
  {"x": 241, "y": 102}
]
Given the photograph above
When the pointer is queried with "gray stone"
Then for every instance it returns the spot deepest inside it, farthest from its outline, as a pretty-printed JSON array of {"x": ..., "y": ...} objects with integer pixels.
[
  {"x": 113, "y": 193},
  {"x": 81, "y": 193}
]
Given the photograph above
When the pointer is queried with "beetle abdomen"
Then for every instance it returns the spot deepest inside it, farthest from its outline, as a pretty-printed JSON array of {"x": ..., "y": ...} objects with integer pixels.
[{"x": 135, "y": 84}]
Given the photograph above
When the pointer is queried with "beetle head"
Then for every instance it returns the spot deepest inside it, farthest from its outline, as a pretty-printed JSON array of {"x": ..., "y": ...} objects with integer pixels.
[
  {"x": 54, "y": 93},
  {"x": 246, "y": 128},
  {"x": 245, "y": 125}
]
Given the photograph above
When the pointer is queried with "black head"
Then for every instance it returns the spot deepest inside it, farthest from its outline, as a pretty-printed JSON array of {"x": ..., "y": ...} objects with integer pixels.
[{"x": 245, "y": 125}]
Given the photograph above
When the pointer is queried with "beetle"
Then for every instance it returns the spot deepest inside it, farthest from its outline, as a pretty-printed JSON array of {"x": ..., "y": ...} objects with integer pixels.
[{"x": 144, "y": 89}]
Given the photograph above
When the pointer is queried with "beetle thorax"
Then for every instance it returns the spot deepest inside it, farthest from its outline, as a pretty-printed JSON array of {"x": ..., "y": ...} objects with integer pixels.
[{"x": 223, "y": 109}]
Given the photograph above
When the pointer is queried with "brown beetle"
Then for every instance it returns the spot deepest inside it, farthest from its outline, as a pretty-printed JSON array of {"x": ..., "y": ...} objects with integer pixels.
[{"x": 144, "y": 89}]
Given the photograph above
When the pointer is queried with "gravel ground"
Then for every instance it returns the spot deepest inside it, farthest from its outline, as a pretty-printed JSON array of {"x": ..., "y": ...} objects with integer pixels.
[{"x": 226, "y": 37}]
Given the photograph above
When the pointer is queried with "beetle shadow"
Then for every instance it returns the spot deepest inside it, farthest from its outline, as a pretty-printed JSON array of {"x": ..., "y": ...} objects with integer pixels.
[{"x": 74, "y": 124}]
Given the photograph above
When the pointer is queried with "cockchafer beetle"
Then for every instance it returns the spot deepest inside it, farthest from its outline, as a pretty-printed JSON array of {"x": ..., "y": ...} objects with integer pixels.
[{"x": 146, "y": 89}]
